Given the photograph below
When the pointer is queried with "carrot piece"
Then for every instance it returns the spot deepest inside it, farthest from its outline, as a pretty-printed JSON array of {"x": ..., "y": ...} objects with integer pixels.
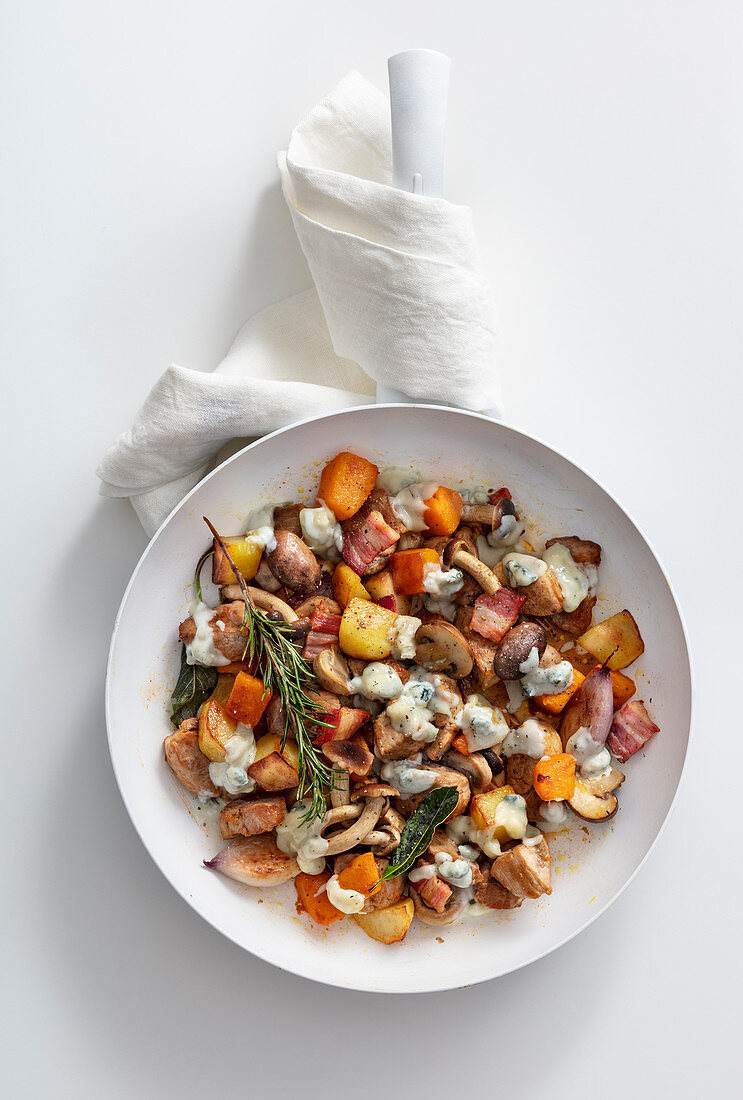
[
  {"x": 317, "y": 906},
  {"x": 361, "y": 874},
  {"x": 555, "y": 704},
  {"x": 554, "y": 777},
  {"x": 460, "y": 744},
  {"x": 346, "y": 482},
  {"x": 443, "y": 511},
  {"x": 248, "y": 699},
  {"x": 408, "y": 569}
]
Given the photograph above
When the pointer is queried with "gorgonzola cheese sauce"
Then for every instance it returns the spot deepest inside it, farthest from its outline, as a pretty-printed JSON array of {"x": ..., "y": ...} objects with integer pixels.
[
  {"x": 321, "y": 531},
  {"x": 406, "y": 778},
  {"x": 395, "y": 478},
  {"x": 402, "y": 637},
  {"x": 239, "y": 754},
  {"x": 526, "y": 740},
  {"x": 346, "y": 901},
  {"x": 571, "y": 577},
  {"x": 550, "y": 680},
  {"x": 410, "y": 504},
  {"x": 592, "y": 759},
  {"x": 484, "y": 726},
  {"x": 523, "y": 569},
  {"x": 201, "y": 650},
  {"x": 377, "y": 681},
  {"x": 301, "y": 838}
]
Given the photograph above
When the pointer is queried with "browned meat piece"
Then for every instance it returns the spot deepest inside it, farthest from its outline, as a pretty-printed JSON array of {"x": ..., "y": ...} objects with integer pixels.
[
  {"x": 187, "y": 761},
  {"x": 520, "y": 773},
  {"x": 581, "y": 551},
  {"x": 443, "y": 777},
  {"x": 494, "y": 896},
  {"x": 390, "y": 743},
  {"x": 441, "y": 842},
  {"x": 468, "y": 593},
  {"x": 578, "y": 621},
  {"x": 230, "y": 641},
  {"x": 377, "y": 501},
  {"x": 287, "y": 519},
  {"x": 543, "y": 596},
  {"x": 525, "y": 870},
  {"x": 448, "y": 730},
  {"x": 252, "y": 816},
  {"x": 389, "y": 892}
]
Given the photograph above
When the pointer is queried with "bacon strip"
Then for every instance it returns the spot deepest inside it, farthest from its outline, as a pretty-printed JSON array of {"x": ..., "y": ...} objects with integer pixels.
[
  {"x": 493, "y": 616},
  {"x": 324, "y": 631},
  {"x": 342, "y": 725},
  {"x": 361, "y": 546},
  {"x": 435, "y": 892},
  {"x": 632, "y": 728}
]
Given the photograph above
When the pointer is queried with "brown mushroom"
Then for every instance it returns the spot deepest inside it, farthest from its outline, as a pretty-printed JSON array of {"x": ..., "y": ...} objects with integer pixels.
[
  {"x": 265, "y": 579},
  {"x": 349, "y": 755},
  {"x": 593, "y": 799},
  {"x": 370, "y": 788},
  {"x": 266, "y": 601},
  {"x": 440, "y": 647},
  {"x": 490, "y": 515},
  {"x": 340, "y": 794},
  {"x": 331, "y": 671},
  {"x": 454, "y": 909},
  {"x": 515, "y": 647},
  {"x": 357, "y": 831},
  {"x": 292, "y": 562},
  {"x": 475, "y": 767},
  {"x": 460, "y": 553}
]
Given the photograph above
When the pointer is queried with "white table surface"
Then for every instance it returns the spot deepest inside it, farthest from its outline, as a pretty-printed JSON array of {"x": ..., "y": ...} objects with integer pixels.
[{"x": 600, "y": 148}]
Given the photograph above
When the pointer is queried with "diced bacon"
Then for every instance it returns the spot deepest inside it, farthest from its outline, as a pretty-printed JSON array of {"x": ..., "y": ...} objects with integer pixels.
[
  {"x": 632, "y": 728},
  {"x": 361, "y": 546},
  {"x": 342, "y": 725},
  {"x": 493, "y": 616},
  {"x": 498, "y": 494},
  {"x": 324, "y": 631},
  {"x": 436, "y": 893}
]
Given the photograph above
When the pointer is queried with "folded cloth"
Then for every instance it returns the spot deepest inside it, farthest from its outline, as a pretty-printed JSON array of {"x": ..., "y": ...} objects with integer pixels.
[{"x": 399, "y": 298}]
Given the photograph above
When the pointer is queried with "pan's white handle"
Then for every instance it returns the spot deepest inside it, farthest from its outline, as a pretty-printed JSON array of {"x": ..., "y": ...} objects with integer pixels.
[{"x": 419, "y": 81}]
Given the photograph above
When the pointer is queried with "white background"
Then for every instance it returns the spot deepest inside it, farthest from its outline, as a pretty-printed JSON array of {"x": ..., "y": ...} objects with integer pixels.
[{"x": 600, "y": 147}]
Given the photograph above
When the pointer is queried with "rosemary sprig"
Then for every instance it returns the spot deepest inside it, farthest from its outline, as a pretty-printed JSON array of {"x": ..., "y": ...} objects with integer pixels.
[{"x": 287, "y": 673}]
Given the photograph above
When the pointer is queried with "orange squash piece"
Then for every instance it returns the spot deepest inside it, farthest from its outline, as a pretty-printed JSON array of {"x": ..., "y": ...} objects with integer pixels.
[
  {"x": 408, "y": 569},
  {"x": 361, "y": 874},
  {"x": 555, "y": 704},
  {"x": 460, "y": 744},
  {"x": 346, "y": 482},
  {"x": 554, "y": 778},
  {"x": 248, "y": 699},
  {"x": 623, "y": 688},
  {"x": 443, "y": 511},
  {"x": 316, "y": 906}
]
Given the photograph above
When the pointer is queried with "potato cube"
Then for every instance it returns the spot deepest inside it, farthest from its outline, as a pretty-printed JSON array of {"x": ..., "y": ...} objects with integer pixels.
[
  {"x": 348, "y": 585},
  {"x": 615, "y": 642},
  {"x": 215, "y": 729},
  {"x": 274, "y": 768},
  {"x": 388, "y": 925},
  {"x": 365, "y": 629},
  {"x": 245, "y": 554},
  {"x": 483, "y": 809}
]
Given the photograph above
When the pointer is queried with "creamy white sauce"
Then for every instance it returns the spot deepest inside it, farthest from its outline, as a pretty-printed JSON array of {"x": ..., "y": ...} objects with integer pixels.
[
  {"x": 532, "y": 836},
  {"x": 374, "y": 708},
  {"x": 207, "y": 808},
  {"x": 239, "y": 754},
  {"x": 302, "y": 839},
  {"x": 441, "y": 583},
  {"x": 553, "y": 814},
  {"x": 402, "y": 636},
  {"x": 510, "y": 815},
  {"x": 321, "y": 531},
  {"x": 420, "y": 874},
  {"x": 592, "y": 759},
  {"x": 526, "y": 740},
  {"x": 515, "y": 696},
  {"x": 201, "y": 650},
  {"x": 441, "y": 606},
  {"x": 406, "y": 778},
  {"x": 346, "y": 901},
  {"x": 523, "y": 569},
  {"x": 410, "y": 504},
  {"x": 474, "y": 494},
  {"x": 493, "y": 547},
  {"x": 395, "y": 478},
  {"x": 484, "y": 726},
  {"x": 377, "y": 681},
  {"x": 259, "y": 527},
  {"x": 422, "y": 697},
  {"x": 551, "y": 680},
  {"x": 457, "y": 872},
  {"x": 571, "y": 577}
]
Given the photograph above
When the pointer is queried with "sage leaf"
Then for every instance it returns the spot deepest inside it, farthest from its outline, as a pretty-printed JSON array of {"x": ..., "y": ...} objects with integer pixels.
[
  {"x": 195, "y": 684},
  {"x": 419, "y": 828}
]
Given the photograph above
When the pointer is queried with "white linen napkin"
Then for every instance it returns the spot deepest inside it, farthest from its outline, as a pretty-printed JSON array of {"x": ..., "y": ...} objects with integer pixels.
[{"x": 399, "y": 298}]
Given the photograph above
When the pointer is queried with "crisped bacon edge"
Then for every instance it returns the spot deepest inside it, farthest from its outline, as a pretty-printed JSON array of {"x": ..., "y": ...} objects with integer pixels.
[
  {"x": 361, "y": 546},
  {"x": 631, "y": 729},
  {"x": 324, "y": 632},
  {"x": 493, "y": 616}
]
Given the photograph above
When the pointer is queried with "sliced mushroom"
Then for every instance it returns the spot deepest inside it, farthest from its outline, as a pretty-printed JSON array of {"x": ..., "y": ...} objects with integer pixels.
[
  {"x": 356, "y": 832},
  {"x": 350, "y": 755},
  {"x": 368, "y": 788},
  {"x": 255, "y": 860},
  {"x": 313, "y": 603},
  {"x": 265, "y": 579},
  {"x": 593, "y": 799},
  {"x": 440, "y": 647},
  {"x": 494, "y": 760},
  {"x": 292, "y": 562},
  {"x": 515, "y": 647},
  {"x": 340, "y": 794},
  {"x": 454, "y": 909},
  {"x": 331, "y": 671},
  {"x": 266, "y": 601},
  {"x": 475, "y": 767},
  {"x": 458, "y": 555},
  {"x": 410, "y": 540}
]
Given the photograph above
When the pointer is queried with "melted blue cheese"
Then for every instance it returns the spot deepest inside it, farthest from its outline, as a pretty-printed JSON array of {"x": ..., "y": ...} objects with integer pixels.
[
  {"x": 402, "y": 637},
  {"x": 510, "y": 815},
  {"x": 457, "y": 872},
  {"x": 526, "y": 740},
  {"x": 523, "y": 569},
  {"x": 572, "y": 578},
  {"x": 550, "y": 680},
  {"x": 394, "y": 478},
  {"x": 406, "y": 778},
  {"x": 377, "y": 681},
  {"x": 346, "y": 901},
  {"x": 259, "y": 527},
  {"x": 422, "y": 697},
  {"x": 592, "y": 759},
  {"x": 239, "y": 754},
  {"x": 410, "y": 504},
  {"x": 201, "y": 649},
  {"x": 321, "y": 531},
  {"x": 301, "y": 838},
  {"x": 484, "y": 726},
  {"x": 440, "y": 585}
]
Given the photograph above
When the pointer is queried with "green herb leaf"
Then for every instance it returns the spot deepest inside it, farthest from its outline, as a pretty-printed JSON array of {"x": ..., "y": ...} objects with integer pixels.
[
  {"x": 195, "y": 685},
  {"x": 419, "y": 828}
]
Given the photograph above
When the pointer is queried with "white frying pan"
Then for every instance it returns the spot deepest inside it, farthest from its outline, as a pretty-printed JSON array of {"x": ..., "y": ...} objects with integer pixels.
[{"x": 557, "y": 497}]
